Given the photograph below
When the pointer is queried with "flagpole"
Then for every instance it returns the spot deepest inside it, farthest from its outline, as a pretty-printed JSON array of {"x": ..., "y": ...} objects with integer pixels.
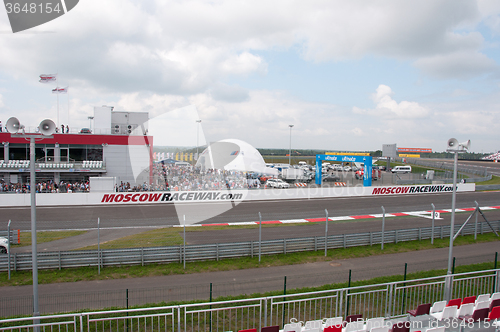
[{"x": 57, "y": 107}]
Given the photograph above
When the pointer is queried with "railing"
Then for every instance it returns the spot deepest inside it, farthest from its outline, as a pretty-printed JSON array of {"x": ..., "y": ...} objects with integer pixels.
[
  {"x": 469, "y": 169},
  {"x": 217, "y": 251},
  {"x": 387, "y": 300}
]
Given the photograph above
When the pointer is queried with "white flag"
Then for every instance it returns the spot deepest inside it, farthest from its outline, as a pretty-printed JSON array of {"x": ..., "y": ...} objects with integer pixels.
[
  {"x": 47, "y": 78},
  {"x": 60, "y": 90}
]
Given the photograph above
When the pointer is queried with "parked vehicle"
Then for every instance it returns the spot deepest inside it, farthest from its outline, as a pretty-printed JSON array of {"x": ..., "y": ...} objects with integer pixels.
[
  {"x": 401, "y": 169},
  {"x": 85, "y": 131},
  {"x": 331, "y": 178},
  {"x": 376, "y": 173},
  {"x": 4, "y": 245},
  {"x": 277, "y": 183}
]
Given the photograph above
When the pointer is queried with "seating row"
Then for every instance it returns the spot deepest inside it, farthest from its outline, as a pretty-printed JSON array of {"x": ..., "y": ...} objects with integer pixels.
[
  {"x": 92, "y": 164},
  {"x": 14, "y": 163},
  {"x": 56, "y": 165},
  {"x": 484, "y": 307}
]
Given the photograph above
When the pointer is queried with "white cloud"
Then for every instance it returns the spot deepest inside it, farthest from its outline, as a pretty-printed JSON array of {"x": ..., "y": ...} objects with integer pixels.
[
  {"x": 389, "y": 108},
  {"x": 459, "y": 65},
  {"x": 186, "y": 47}
]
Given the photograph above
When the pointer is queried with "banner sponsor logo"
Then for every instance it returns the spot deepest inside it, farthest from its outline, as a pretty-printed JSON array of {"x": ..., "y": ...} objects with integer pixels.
[
  {"x": 406, "y": 155},
  {"x": 411, "y": 189},
  {"x": 417, "y": 150},
  {"x": 348, "y": 153},
  {"x": 171, "y": 197}
]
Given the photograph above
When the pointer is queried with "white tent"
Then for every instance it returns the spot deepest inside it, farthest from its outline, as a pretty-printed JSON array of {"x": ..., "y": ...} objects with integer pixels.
[{"x": 233, "y": 155}]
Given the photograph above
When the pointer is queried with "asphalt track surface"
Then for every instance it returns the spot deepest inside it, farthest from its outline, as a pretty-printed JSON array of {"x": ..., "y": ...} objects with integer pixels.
[
  {"x": 120, "y": 221},
  {"x": 161, "y": 215}
]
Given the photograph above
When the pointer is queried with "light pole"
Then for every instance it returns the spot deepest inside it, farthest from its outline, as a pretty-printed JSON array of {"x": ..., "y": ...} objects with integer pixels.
[
  {"x": 290, "y": 151},
  {"x": 456, "y": 148},
  {"x": 90, "y": 122},
  {"x": 197, "y": 138},
  {"x": 47, "y": 128}
]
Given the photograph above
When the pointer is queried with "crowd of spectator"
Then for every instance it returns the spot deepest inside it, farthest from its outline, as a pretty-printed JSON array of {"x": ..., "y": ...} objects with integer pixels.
[
  {"x": 187, "y": 178},
  {"x": 167, "y": 177},
  {"x": 48, "y": 186}
]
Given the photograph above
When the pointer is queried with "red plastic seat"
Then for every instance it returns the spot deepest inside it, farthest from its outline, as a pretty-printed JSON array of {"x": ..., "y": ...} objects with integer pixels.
[
  {"x": 494, "y": 314},
  {"x": 469, "y": 299},
  {"x": 353, "y": 318},
  {"x": 478, "y": 315},
  {"x": 334, "y": 328},
  {"x": 274, "y": 328},
  {"x": 456, "y": 302},
  {"x": 422, "y": 309},
  {"x": 494, "y": 303},
  {"x": 248, "y": 330}
]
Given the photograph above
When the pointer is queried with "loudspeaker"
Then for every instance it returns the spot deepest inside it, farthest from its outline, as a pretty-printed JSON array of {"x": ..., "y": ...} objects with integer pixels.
[
  {"x": 465, "y": 145},
  {"x": 13, "y": 125},
  {"x": 452, "y": 144},
  {"x": 47, "y": 127}
]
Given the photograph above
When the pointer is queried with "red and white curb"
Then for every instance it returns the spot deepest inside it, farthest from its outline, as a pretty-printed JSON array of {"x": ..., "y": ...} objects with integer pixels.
[{"x": 423, "y": 214}]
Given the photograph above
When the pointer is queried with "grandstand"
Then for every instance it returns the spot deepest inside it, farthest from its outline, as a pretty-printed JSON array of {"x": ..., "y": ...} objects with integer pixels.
[{"x": 495, "y": 156}]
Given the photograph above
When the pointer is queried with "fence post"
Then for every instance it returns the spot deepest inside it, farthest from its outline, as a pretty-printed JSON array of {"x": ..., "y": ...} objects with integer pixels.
[
  {"x": 284, "y": 246},
  {"x": 475, "y": 225},
  {"x": 347, "y": 294},
  {"x": 126, "y": 320},
  {"x": 184, "y": 246},
  {"x": 98, "y": 246},
  {"x": 388, "y": 308},
  {"x": 260, "y": 235},
  {"x": 210, "y": 308},
  {"x": 496, "y": 284},
  {"x": 8, "y": 244},
  {"x": 433, "y": 219},
  {"x": 179, "y": 319},
  {"x": 265, "y": 313},
  {"x": 404, "y": 285},
  {"x": 383, "y": 227},
  {"x": 284, "y": 299},
  {"x": 326, "y": 231}
]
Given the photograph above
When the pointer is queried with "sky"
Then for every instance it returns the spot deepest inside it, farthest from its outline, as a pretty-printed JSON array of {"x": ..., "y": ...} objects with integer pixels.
[{"x": 348, "y": 75}]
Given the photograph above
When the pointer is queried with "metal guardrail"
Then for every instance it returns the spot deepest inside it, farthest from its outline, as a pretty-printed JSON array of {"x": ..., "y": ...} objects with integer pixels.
[
  {"x": 469, "y": 169},
  {"x": 388, "y": 300},
  {"x": 217, "y": 251}
]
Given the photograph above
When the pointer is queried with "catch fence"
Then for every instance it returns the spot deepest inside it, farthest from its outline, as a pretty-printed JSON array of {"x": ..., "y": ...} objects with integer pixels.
[{"x": 388, "y": 300}]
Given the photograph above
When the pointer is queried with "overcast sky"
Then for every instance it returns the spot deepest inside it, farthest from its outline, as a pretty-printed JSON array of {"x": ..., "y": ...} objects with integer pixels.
[{"x": 349, "y": 75}]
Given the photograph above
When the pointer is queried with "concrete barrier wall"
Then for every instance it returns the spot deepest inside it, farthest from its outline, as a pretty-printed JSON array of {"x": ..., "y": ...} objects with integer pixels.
[{"x": 70, "y": 199}]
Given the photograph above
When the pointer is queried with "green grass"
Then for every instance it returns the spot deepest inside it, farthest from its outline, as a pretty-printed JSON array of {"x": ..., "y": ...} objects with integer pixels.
[
  {"x": 494, "y": 180},
  {"x": 46, "y": 236},
  {"x": 90, "y": 273}
]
